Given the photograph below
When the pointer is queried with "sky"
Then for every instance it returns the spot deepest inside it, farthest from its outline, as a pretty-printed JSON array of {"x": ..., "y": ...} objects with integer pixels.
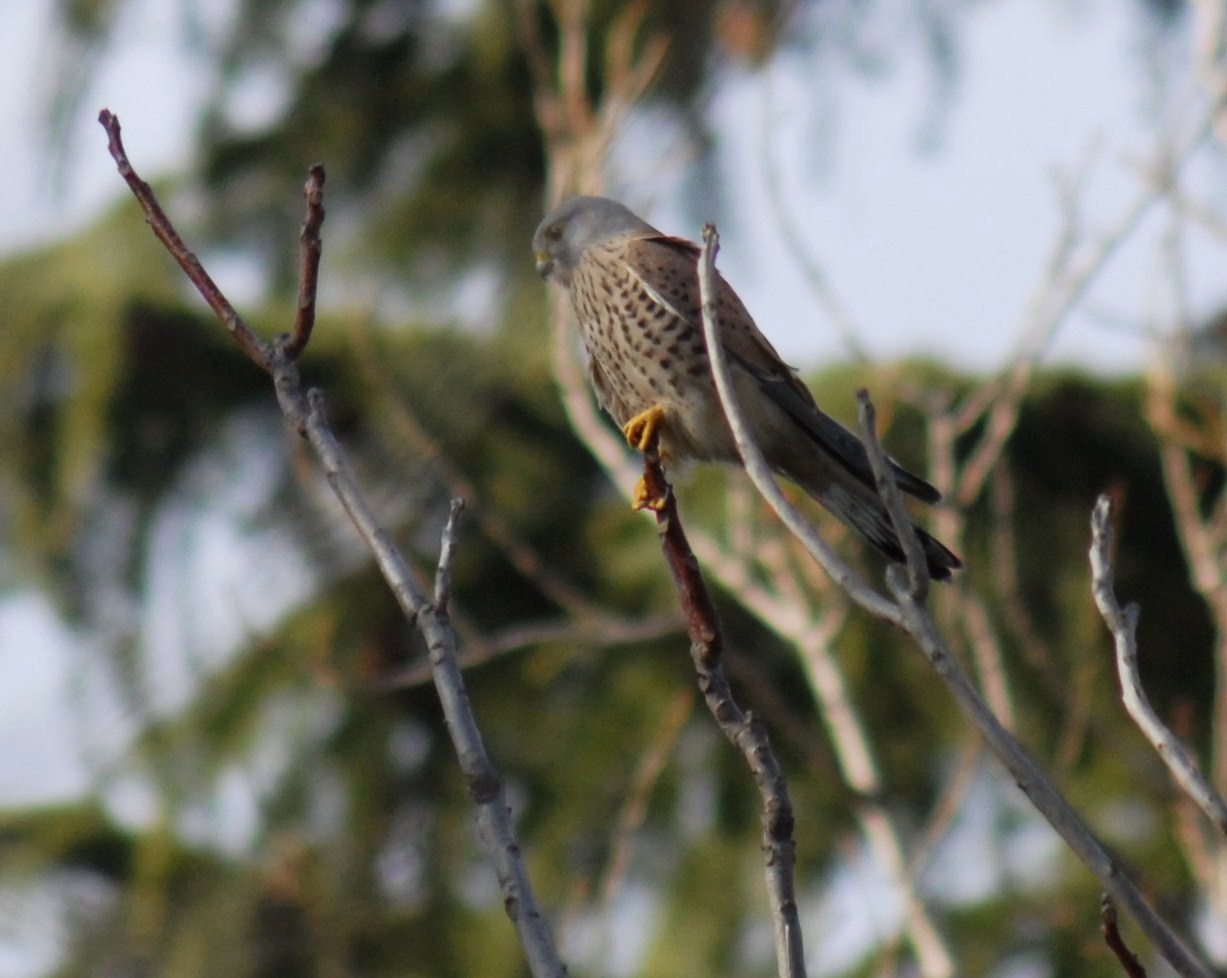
[
  {"x": 933, "y": 234},
  {"x": 936, "y": 251}
]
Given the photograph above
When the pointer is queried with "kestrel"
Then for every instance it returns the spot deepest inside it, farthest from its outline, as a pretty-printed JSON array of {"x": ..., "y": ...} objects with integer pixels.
[{"x": 635, "y": 292}]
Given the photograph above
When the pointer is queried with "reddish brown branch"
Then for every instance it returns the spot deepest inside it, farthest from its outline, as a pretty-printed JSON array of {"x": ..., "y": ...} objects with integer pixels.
[
  {"x": 1111, "y": 935},
  {"x": 741, "y": 728},
  {"x": 310, "y": 247},
  {"x": 261, "y": 353}
]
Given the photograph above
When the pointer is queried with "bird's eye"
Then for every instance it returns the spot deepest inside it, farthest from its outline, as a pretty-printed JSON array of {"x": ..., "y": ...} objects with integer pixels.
[{"x": 553, "y": 232}]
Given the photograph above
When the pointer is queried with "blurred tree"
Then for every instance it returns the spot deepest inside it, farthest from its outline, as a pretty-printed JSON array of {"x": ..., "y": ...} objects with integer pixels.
[{"x": 302, "y": 812}]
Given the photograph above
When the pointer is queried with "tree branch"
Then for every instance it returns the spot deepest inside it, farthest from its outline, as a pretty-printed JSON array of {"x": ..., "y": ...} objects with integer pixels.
[
  {"x": 1112, "y": 937},
  {"x": 310, "y": 248},
  {"x": 888, "y": 489},
  {"x": 1122, "y": 623},
  {"x": 305, "y": 412},
  {"x": 752, "y": 456},
  {"x": 741, "y": 728},
  {"x": 260, "y": 353},
  {"x": 909, "y": 613}
]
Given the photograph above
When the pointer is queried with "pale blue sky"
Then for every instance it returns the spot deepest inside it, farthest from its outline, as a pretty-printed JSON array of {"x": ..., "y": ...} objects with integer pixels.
[{"x": 931, "y": 252}]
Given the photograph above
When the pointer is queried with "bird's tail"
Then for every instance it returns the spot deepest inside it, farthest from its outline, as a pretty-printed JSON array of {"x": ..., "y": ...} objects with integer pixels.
[{"x": 860, "y": 508}]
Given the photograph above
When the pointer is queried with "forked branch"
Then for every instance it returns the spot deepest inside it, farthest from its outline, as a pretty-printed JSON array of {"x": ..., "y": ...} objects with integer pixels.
[
  {"x": 908, "y": 612},
  {"x": 305, "y": 412}
]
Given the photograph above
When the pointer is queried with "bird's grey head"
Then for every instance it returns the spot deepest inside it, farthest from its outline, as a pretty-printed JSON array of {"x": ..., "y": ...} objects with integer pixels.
[{"x": 576, "y": 224}]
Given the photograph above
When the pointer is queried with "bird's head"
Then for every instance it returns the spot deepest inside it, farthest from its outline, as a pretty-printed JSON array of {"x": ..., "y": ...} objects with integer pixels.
[{"x": 576, "y": 224}]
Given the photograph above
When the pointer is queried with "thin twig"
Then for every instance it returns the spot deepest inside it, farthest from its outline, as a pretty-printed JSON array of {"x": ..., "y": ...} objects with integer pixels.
[
  {"x": 1112, "y": 937},
  {"x": 410, "y": 430},
  {"x": 590, "y": 634},
  {"x": 634, "y": 809},
  {"x": 305, "y": 413},
  {"x": 310, "y": 247},
  {"x": 1067, "y": 277},
  {"x": 785, "y": 215},
  {"x": 888, "y": 489},
  {"x": 260, "y": 352},
  {"x": 742, "y": 729},
  {"x": 1122, "y": 623},
  {"x": 447, "y": 553}
]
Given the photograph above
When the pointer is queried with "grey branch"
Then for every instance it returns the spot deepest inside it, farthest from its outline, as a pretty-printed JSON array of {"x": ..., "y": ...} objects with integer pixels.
[
  {"x": 1122, "y": 623},
  {"x": 888, "y": 489},
  {"x": 495, "y": 825},
  {"x": 752, "y": 456},
  {"x": 908, "y": 613},
  {"x": 305, "y": 413}
]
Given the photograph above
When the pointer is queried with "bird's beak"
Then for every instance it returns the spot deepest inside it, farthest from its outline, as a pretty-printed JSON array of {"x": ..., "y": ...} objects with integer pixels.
[{"x": 545, "y": 264}]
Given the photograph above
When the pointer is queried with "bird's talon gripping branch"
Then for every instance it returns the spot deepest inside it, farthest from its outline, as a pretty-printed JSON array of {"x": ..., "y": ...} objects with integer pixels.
[
  {"x": 648, "y": 497},
  {"x": 641, "y": 430}
]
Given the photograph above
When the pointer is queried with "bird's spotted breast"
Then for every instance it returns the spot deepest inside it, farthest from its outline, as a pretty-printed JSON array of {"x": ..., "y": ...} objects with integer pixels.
[{"x": 645, "y": 353}]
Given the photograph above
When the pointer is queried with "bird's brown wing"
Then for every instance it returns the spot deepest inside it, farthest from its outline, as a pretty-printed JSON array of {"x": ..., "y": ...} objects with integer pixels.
[{"x": 668, "y": 268}]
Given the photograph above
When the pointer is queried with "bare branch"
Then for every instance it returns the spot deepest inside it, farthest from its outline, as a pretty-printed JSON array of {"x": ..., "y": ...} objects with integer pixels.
[
  {"x": 752, "y": 456},
  {"x": 591, "y": 633},
  {"x": 854, "y": 752},
  {"x": 261, "y": 353},
  {"x": 447, "y": 553},
  {"x": 1111, "y": 935},
  {"x": 1039, "y": 787},
  {"x": 909, "y": 613},
  {"x": 986, "y": 652},
  {"x": 742, "y": 729},
  {"x": 310, "y": 247},
  {"x": 784, "y": 216},
  {"x": 1066, "y": 279},
  {"x": 305, "y": 412},
  {"x": 635, "y": 809},
  {"x": 1122, "y": 623},
  {"x": 888, "y": 489}
]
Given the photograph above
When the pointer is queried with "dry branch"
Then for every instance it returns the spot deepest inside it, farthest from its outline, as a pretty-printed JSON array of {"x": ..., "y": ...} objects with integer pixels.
[
  {"x": 879, "y": 828},
  {"x": 752, "y": 457},
  {"x": 908, "y": 612},
  {"x": 1122, "y": 623},
  {"x": 1112, "y": 937},
  {"x": 741, "y": 728},
  {"x": 304, "y": 410}
]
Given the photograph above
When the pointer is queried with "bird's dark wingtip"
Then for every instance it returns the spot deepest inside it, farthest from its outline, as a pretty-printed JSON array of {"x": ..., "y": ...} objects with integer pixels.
[{"x": 941, "y": 560}]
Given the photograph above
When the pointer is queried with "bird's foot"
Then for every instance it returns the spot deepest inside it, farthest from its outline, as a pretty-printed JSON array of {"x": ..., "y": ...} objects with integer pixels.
[
  {"x": 643, "y": 427},
  {"x": 647, "y": 498}
]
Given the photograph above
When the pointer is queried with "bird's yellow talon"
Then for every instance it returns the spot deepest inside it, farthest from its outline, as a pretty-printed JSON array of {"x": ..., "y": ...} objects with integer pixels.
[
  {"x": 644, "y": 498},
  {"x": 642, "y": 428}
]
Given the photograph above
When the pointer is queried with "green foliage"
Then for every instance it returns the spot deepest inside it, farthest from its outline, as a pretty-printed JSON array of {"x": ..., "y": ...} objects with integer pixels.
[
  {"x": 362, "y": 852},
  {"x": 359, "y": 856}
]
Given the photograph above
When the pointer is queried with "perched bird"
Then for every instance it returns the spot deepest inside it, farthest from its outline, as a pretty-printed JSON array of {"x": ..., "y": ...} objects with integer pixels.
[{"x": 635, "y": 292}]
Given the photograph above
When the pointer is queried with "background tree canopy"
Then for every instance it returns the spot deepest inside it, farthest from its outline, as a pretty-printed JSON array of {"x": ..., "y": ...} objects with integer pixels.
[{"x": 269, "y": 785}]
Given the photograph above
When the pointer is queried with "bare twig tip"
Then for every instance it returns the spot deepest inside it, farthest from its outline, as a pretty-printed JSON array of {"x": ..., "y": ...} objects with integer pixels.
[{"x": 447, "y": 553}]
